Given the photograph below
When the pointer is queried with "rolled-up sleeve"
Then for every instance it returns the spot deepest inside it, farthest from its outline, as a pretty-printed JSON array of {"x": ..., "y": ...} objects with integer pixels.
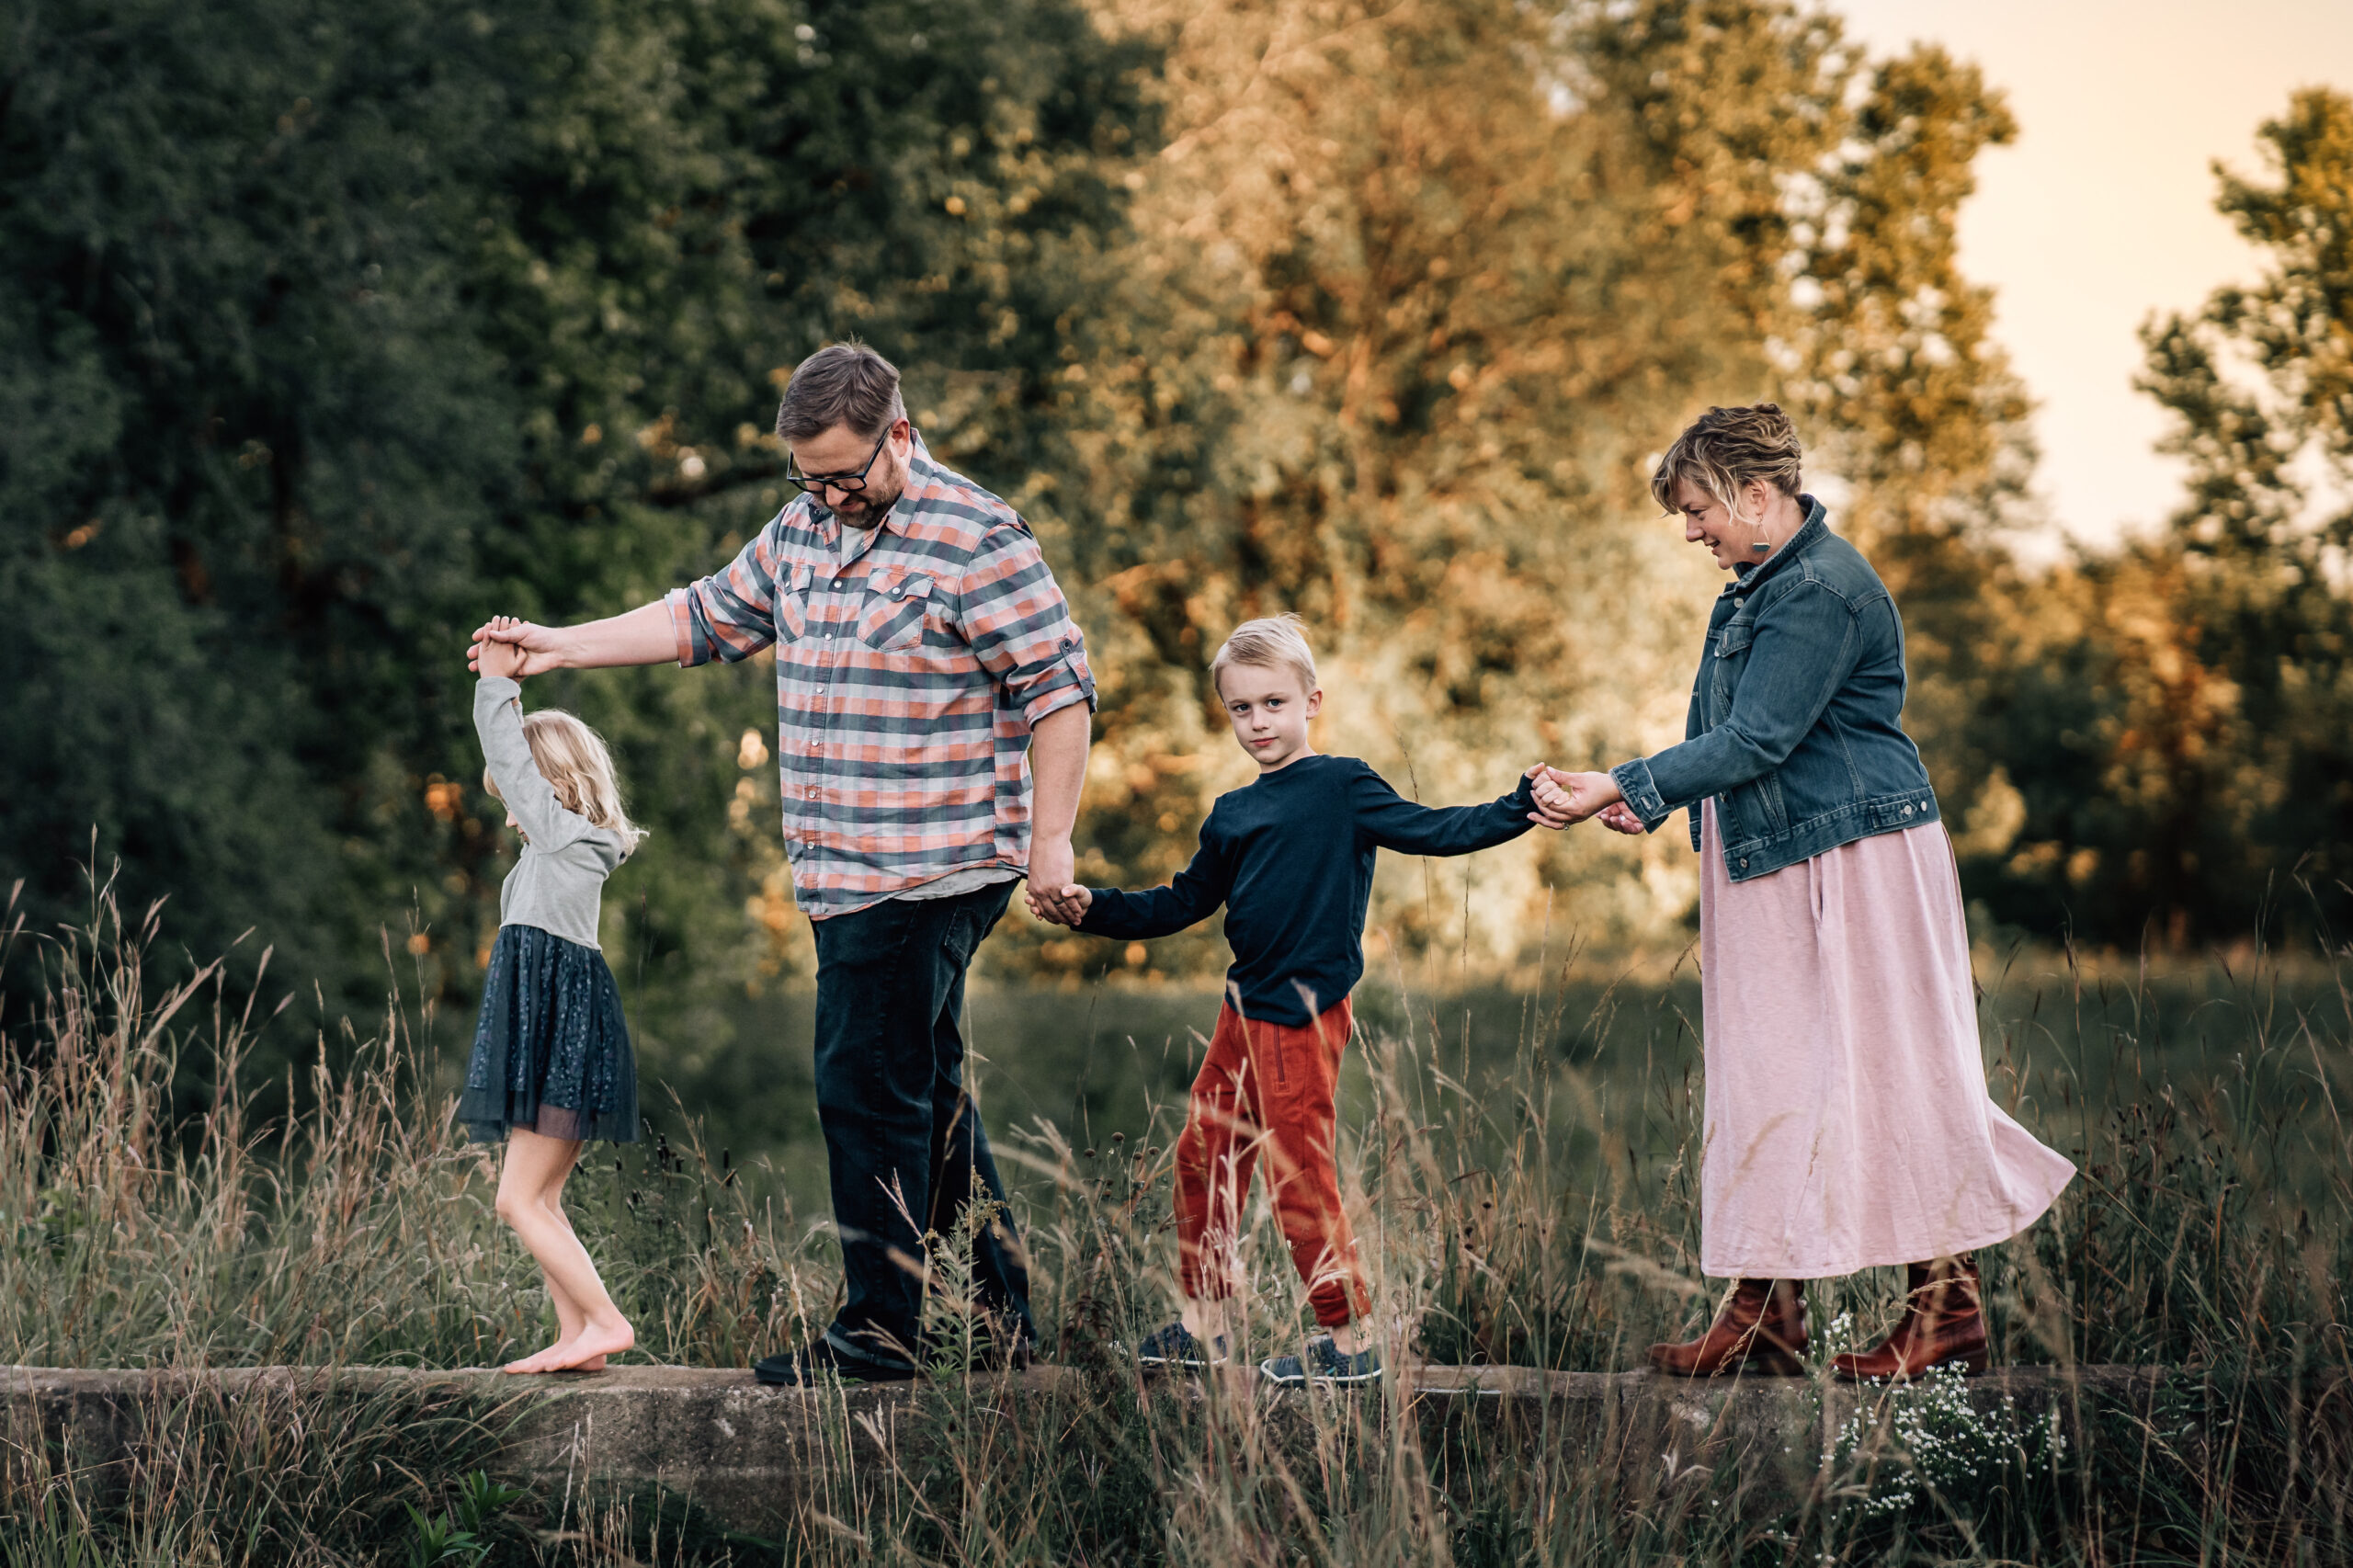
[
  {"x": 1017, "y": 624},
  {"x": 731, "y": 614}
]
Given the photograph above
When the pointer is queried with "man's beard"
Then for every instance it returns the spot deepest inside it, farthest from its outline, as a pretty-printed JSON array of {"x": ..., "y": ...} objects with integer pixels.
[{"x": 878, "y": 505}]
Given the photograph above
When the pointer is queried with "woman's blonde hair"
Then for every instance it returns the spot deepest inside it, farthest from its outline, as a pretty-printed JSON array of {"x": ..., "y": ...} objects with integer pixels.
[
  {"x": 572, "y": 759},
  {"x": 1725, "y": 449},
  {"x": 1267, "y": 643}
]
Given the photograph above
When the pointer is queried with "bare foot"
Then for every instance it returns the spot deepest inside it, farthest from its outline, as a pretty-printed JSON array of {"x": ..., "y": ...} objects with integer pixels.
[
  {"x": 546, "y": 1360},
  {"x": 596, "y": 1341}
]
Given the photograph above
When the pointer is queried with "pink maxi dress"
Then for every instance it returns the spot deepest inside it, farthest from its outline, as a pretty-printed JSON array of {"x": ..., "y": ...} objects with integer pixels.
[{"x": 1848, "y": 1125}]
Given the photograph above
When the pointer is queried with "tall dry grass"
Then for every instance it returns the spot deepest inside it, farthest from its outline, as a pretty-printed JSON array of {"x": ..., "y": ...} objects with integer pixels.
[
  {"x": 1539, "y": 1215},
  {"x": 356, "y": 1230}
]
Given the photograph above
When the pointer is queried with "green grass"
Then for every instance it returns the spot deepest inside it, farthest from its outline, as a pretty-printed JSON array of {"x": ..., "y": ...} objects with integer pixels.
[{"x": 1525, "y": 1170}]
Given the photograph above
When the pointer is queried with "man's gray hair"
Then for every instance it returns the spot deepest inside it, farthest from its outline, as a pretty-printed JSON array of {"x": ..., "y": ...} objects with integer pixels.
[{"x": 842, "y": 383}]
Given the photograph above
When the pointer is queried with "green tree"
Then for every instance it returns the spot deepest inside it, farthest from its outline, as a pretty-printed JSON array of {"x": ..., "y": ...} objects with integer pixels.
[
  {"x": 1912, "y": 404},
  {"x": 2179, "y": 728},
  {"x": 251, "y": 428},
  {"x": 723, "y": 190},
  {"x": 339, "y": 325}
]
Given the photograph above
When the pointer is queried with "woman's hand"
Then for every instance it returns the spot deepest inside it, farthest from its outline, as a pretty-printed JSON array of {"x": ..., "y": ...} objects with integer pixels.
[
  {"x": 1573, "y": 797},
  {"x": 1621, "y": 818},
  {"x": 499, "y": 654},
  {"x": 1552, "y": 800}
]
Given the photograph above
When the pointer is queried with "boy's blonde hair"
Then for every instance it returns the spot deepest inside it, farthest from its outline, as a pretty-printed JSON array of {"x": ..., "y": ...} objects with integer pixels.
[
  {"x": 1267, "y": 644},
  {"x": 1725, "y": 449},
  {"x": 572, "y": 759}
]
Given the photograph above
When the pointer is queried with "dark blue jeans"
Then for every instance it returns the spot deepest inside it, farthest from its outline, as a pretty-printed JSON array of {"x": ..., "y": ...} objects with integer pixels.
[{"x": 902, "y": 1137}]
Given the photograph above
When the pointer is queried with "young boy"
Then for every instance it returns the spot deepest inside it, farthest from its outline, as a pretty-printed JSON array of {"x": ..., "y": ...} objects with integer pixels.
[{"x": 1290, "y": 856}]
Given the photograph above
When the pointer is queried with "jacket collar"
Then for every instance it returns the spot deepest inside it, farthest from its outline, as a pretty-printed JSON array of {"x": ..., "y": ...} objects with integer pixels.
[{"x": 1809, "y": 533}]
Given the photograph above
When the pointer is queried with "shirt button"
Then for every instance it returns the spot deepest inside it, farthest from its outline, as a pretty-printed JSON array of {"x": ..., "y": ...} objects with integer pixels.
[
  {"x": 1907, "y": 811},
  {"x": 1744, "y": 863}
]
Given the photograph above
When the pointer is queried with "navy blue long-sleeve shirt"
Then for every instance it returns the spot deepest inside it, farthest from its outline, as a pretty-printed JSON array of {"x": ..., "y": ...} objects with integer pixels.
[{"x": 1290, "y": 856}]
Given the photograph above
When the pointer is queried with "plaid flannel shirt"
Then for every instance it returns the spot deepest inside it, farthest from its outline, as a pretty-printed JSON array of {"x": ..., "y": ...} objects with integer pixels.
[{"x": 907, "y": 682}]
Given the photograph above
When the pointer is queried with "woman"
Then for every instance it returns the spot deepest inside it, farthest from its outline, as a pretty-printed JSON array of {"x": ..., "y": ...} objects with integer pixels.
[{"x": 1848, "y": 1125}]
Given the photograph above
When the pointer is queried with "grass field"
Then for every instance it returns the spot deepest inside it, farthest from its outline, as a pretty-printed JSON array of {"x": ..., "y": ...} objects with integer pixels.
[{"x": 1524, "y": 1165}]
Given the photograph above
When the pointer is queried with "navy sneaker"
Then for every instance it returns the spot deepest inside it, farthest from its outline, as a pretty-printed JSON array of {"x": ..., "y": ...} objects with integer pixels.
[
  {"x": 1175, "y": 1346},
  {"x": 1322, "y": 1363},
  {"x": 827, "y": 1362}
]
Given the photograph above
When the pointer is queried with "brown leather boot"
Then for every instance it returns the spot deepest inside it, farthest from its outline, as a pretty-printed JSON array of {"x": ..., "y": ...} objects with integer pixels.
[
  {"x": 1944, "y": 1320},
  {"x": 1761, "y": 1330}
]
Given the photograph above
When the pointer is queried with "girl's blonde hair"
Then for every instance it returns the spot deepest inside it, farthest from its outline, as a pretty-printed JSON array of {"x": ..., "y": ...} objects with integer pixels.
[
  {"x": 572, "y": 759},
  {"x": 1268, "y": 643},
  {"x": 1725, "y": 449}
]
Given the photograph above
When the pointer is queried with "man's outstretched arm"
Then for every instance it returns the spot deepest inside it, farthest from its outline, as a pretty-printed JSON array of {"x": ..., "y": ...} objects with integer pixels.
[{"x": 644, "y": 636}]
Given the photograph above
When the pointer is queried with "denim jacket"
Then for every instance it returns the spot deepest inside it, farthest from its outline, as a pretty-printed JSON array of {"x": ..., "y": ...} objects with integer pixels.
[{"x": 1795, "y": 725}]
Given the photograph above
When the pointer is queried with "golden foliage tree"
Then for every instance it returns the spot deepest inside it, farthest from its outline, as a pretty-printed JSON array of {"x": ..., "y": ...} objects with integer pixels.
[
  {"x": 1416, "y": 292},
  {"x": 2178, "y": 722}
]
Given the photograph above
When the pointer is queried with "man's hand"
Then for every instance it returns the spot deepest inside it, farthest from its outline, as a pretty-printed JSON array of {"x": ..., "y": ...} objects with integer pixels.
[
  {"x": 494, "y": 656},
  {"x": 644, "y": 636},
  {"x": 529, "y": 649},
  {"x": 1068, "y": 909},
  {"x": 1053, "y": 893}
]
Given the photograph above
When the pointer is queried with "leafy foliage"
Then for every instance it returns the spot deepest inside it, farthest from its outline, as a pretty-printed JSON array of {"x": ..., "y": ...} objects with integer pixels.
[
  {"x": 338, "y": 328},
  {"x": 1416, "y": 292},
  {"x": 2177, "y": 718},
  {"x": 343, "y": 325}
]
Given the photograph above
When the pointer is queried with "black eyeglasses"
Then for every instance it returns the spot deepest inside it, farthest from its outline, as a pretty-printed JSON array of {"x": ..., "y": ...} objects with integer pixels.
[{"x": 847, "y": 484}]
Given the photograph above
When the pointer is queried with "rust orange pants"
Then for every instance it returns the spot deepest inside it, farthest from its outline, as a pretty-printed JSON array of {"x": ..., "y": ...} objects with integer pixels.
[{"x": 1266, "y": 1090}]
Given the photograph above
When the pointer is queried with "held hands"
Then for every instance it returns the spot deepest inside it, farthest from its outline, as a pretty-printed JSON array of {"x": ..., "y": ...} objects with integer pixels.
[
  {"x": 1564, "y": 799},
  {"x": 1052, "y": 891},
  {"x": 1065, "y": 908},
  {"x": 495, "y": 655},
  {"x": 532, "y": 649},
  {"x": 1551, "y": 801}
]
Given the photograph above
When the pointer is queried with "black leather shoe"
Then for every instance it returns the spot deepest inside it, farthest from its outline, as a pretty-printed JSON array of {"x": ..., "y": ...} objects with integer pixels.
[{"x": 824, "y": 1363}]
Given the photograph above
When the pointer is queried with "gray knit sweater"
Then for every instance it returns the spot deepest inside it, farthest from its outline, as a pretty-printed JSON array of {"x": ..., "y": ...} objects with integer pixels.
[{"x": 558, "y": 885}]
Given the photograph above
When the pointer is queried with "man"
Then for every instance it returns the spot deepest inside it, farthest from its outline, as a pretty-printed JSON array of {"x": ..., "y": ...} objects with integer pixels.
[{"x": 928, "y": 670}]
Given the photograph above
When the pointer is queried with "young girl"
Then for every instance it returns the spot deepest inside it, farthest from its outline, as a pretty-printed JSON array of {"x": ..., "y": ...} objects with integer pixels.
[{"x": 551, "y": 1064}]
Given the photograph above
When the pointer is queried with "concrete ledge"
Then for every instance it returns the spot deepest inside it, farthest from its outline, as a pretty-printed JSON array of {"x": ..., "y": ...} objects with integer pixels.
[{"x": 758, "y": 1456}]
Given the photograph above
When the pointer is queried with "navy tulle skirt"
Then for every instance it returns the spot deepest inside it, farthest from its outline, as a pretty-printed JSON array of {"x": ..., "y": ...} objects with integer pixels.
[{"x": 551, "y": 1051}]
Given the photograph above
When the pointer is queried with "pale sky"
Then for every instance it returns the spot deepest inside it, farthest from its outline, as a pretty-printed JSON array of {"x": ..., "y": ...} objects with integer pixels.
[{"x": 2102, "y": 211}]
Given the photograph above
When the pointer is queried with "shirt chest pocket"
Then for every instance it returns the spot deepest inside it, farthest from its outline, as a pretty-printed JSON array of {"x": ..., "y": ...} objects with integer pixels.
[
  {"x": 1731, "y": 658},
  {"x": 792, "y": 602},
  {"x": 896, "y": 601}
]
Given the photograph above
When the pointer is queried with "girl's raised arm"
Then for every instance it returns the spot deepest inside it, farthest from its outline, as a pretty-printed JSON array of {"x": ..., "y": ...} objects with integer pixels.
[{"x": 498, "y": 719}]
